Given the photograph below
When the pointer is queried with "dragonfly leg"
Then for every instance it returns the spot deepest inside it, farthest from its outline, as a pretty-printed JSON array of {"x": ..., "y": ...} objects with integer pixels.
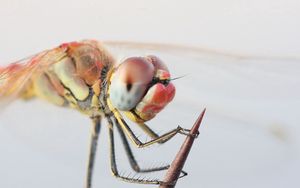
[
  {"x": 154, "y": 135},
  {"x": 163, "y": 138},
  {"x": 113, "y": 164},
  {"x": 148, "y": 130},
  {"x": 95, "y": 129},
  {"x": 151, "y": 133},
  {"x": 135, "y": 166}
]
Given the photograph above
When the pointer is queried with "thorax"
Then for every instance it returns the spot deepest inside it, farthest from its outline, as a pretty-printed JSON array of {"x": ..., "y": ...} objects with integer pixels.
[{"x": 79, "y": 79}]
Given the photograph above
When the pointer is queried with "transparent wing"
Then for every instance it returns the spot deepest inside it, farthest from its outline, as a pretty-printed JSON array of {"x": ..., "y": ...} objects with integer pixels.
[
  {"x": 16, "y": 75},
  {"x": 226, "y": 83},
  {"x": 250, "y": 132},
  {"x": 251, "y": 129},
  {"x": 251, "y": 126}
]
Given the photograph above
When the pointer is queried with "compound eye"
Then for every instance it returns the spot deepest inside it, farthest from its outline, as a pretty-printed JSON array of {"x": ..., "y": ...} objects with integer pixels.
[
  {"x": 158, "y": 63},
  {"x": 130, "y": 82}
]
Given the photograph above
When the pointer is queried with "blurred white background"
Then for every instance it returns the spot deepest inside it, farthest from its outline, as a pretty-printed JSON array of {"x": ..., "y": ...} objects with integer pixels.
[{"x": 250, "y": 134}]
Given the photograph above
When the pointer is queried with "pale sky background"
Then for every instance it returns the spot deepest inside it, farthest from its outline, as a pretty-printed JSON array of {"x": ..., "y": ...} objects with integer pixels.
[
  {"x": 250, "y": 136},
  {"x": 254, "y": 27}
]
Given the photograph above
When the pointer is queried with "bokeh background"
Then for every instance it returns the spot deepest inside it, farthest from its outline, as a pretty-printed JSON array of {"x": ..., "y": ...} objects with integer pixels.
[{"x": 250, "y": 134}]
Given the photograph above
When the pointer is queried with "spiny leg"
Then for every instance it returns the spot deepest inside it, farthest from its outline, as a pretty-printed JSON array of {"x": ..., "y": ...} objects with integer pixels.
[
  {"x": 148, "y": 130},
  {"x": 95, "y": 129},
  {"x": 135, "y": 166},
  {"x": 167, "y": 136},
  {"x": 151, "y": 133},
  {"x": 113, "y": 164}
]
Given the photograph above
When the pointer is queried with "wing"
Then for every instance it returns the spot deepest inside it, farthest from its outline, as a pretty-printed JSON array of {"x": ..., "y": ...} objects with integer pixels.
[
  {"x": 250, "y": 128},
  {"x": 190, "y": 51},
  {"x": 15, "y": 76},
  {"x": 254, "y": 91}
]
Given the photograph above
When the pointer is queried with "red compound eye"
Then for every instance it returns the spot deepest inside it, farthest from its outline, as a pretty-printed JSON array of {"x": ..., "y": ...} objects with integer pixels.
[
  {"x": 158, "y": 64},
  {"x": 136, "y": 70},
  {"x": 130, "y": 82}
]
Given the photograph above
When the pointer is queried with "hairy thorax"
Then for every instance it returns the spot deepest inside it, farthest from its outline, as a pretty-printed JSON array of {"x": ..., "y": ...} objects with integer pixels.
[{"x": 77, "y": 80}]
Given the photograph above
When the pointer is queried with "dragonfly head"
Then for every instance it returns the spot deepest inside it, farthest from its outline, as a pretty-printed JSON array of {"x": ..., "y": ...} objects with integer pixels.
[{"x": 141, "y": 86}]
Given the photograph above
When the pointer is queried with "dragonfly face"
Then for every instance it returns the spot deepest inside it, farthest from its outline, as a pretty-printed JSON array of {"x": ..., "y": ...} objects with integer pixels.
[{"x": 142, "y": 86}]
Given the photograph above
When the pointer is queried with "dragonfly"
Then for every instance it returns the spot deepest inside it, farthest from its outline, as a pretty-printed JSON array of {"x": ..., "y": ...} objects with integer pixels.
[
  {"x": 251, "y": 99},
  {"x": 85, "y": 76}
]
